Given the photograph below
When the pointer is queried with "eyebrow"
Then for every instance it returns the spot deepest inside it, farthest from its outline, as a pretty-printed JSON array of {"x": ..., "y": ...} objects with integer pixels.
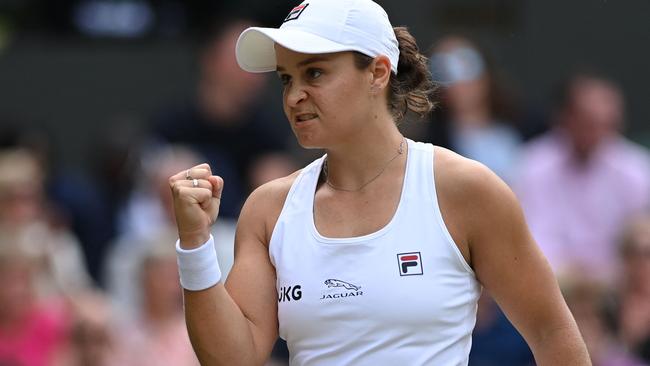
[{"x": 305, "y": 62}]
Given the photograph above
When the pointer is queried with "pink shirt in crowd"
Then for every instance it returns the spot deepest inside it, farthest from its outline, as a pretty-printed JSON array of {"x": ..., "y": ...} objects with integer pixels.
[
  {"x": 576, "y": 211},
  {"x": 35, "y": 340},
  {"x": 159, "y": 344}
]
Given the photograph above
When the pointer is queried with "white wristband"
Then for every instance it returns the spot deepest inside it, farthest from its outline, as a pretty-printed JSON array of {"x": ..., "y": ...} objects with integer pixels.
[{"x": 198, "y": 268}]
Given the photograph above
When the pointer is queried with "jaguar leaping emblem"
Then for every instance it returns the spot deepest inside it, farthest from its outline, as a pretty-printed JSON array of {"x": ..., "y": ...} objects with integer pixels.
[{"x": 338, "y": 283}]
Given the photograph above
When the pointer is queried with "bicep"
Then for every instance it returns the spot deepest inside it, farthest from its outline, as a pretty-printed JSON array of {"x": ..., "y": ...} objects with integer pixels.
[
  {"x": 510, "y": 265},
  {"x": 251, "y": 282}
]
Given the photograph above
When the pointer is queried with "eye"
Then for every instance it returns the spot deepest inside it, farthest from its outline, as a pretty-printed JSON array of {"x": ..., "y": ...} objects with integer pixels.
[
  {"x": 284, "y": 79},
  {"x": 314, "y": 73}
]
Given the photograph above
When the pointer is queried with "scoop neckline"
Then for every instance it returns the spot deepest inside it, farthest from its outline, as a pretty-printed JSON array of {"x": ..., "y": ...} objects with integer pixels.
[{"x": 363, "y": 238}]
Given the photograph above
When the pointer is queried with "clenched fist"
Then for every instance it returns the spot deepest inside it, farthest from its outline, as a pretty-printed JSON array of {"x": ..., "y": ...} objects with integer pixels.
[{"x": 197, "y": 196}]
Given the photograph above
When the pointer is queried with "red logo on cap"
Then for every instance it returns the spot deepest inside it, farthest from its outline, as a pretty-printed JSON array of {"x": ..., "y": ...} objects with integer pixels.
[{"x": 295, "y": 12}]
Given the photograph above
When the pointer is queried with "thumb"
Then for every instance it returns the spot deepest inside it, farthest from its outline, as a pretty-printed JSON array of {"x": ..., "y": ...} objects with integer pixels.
[{"x": 217, "y": 186}]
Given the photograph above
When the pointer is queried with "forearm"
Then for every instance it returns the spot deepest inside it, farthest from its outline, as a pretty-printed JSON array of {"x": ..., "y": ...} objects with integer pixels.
[
  {"x": 561, "y": 346},
  {"x": 219, "y": 331},
  {"x": 224, "y": 331}
]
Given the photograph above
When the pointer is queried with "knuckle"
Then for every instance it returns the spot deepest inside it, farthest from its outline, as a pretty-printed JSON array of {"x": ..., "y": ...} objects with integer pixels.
[
  {"x": 184, "y": 194},
  {"x": 176, "y": 189}
]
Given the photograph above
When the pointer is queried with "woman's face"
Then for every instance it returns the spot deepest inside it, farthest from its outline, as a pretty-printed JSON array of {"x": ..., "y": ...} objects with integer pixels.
[
  {"x": 325, "y": 97},
  {"x": 160, "y": 281},
  {"x": 468, "y": 95}
]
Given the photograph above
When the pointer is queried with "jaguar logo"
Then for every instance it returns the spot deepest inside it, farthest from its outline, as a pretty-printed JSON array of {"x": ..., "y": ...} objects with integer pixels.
[
  {"x": 350, "y": 290},
  {"x": 338, "y": 283}
]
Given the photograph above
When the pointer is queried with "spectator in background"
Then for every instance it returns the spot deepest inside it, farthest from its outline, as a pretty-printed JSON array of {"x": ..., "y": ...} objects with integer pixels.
[
  {"x": 147, "y": 207},
  {"x": 589, "y": 302},
  {"x": 495, "y": 342},
  {"x": 579, "y": 182},
  {"x": 269, "y": 167},
  {"x": 635, "y": 287},
  {"x": 226, "y": 122},
  {"x": 25, "y": 215},
  {"x": 32, "y": 330},
  {"x": 476, "y": 112},
  {"x": 158, "y": 334},
  {"x": 74, "y": 199},
  {"x": 92, "y": 338}
]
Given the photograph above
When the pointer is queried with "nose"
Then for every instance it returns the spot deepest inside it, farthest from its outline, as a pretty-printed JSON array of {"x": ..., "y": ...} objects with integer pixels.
[{"x": 294, "y": 94}]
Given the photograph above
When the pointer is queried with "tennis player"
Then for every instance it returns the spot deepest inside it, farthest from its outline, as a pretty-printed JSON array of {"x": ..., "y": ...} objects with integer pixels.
[{"x": 376, "y": 253}]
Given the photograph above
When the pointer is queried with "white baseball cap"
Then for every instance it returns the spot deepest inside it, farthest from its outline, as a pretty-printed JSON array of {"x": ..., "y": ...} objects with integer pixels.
[{"x": 321, "y": 26}]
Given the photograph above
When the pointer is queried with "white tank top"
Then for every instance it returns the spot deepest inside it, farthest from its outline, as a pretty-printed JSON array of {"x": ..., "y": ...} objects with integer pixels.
[{"x": 403, "y": 295}]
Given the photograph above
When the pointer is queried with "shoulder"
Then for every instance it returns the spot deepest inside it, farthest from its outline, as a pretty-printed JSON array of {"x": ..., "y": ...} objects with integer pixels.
[
  {"x": 456, "y": 175},
  {"x": 634, "y": 156},
  {"x": 263, "y": 206},
  {"x": 630, "y": 162},
  {"x": 470, "y": 195},
  {"x": 540, "y": 159}
]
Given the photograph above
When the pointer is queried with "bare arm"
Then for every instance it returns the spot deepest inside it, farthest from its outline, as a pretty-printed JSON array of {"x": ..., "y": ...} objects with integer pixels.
[
  {"x": 235, "y": 323},
  {"x": 509, "y": 264}
]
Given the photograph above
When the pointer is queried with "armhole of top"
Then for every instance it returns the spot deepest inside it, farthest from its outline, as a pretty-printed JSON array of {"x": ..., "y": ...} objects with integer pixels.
[
  {"x": 284, "y": 207},
  {"x": 438, "y": 212},
  {"x": 290, "y": 194}
]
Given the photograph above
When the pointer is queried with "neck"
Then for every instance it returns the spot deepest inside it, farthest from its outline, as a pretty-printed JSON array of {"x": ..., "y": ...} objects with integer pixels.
[{"x": 357, "y": 160}]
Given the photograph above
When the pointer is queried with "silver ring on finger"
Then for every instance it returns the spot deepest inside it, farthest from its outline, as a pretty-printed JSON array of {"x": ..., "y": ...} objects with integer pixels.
[{"x": 195, "y": 183}]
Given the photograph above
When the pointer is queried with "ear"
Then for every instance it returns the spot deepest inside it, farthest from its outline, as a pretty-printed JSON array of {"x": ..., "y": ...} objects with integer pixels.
[{"x": 380, "y": 73}]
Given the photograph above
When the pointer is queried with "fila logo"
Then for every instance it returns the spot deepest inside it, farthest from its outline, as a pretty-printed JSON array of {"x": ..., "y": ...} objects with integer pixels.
[
  {"x": 288, "y": 293},
  {"x": 295, "y": 12},
  {"x": 410, "y": 264}
]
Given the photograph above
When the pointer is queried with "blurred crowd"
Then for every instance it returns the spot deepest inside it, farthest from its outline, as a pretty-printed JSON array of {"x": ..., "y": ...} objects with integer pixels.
[{"x": 87, "y": 266}]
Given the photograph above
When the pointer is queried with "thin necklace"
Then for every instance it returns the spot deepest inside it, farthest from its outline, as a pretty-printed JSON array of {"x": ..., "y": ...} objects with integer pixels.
[{"x": 400, "y": 151}]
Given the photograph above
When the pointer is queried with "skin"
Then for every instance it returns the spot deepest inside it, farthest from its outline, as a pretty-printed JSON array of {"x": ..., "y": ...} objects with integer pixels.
[{"x": 237, "y": 322}]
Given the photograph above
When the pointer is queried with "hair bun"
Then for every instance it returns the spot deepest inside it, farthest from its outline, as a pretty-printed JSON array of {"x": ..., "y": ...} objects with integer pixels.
[{"x": 412, "y": 87}]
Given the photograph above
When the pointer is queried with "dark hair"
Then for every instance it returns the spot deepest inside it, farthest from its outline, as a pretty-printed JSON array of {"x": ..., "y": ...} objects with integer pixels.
[{"x": 412, "y": 88}]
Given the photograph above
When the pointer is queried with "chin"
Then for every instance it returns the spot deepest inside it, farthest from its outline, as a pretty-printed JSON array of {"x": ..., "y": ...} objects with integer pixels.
[
  {"x": 309, "y": 145},
  {"x": 308, "y": 141}
]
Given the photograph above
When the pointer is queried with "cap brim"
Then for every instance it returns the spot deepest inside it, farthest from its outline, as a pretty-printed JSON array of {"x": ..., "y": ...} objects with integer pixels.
[{"x": 255, "y": 49}]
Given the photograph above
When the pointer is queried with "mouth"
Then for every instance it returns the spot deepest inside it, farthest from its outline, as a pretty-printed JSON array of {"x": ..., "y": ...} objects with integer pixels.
[{"x": 304, "y": 117}]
